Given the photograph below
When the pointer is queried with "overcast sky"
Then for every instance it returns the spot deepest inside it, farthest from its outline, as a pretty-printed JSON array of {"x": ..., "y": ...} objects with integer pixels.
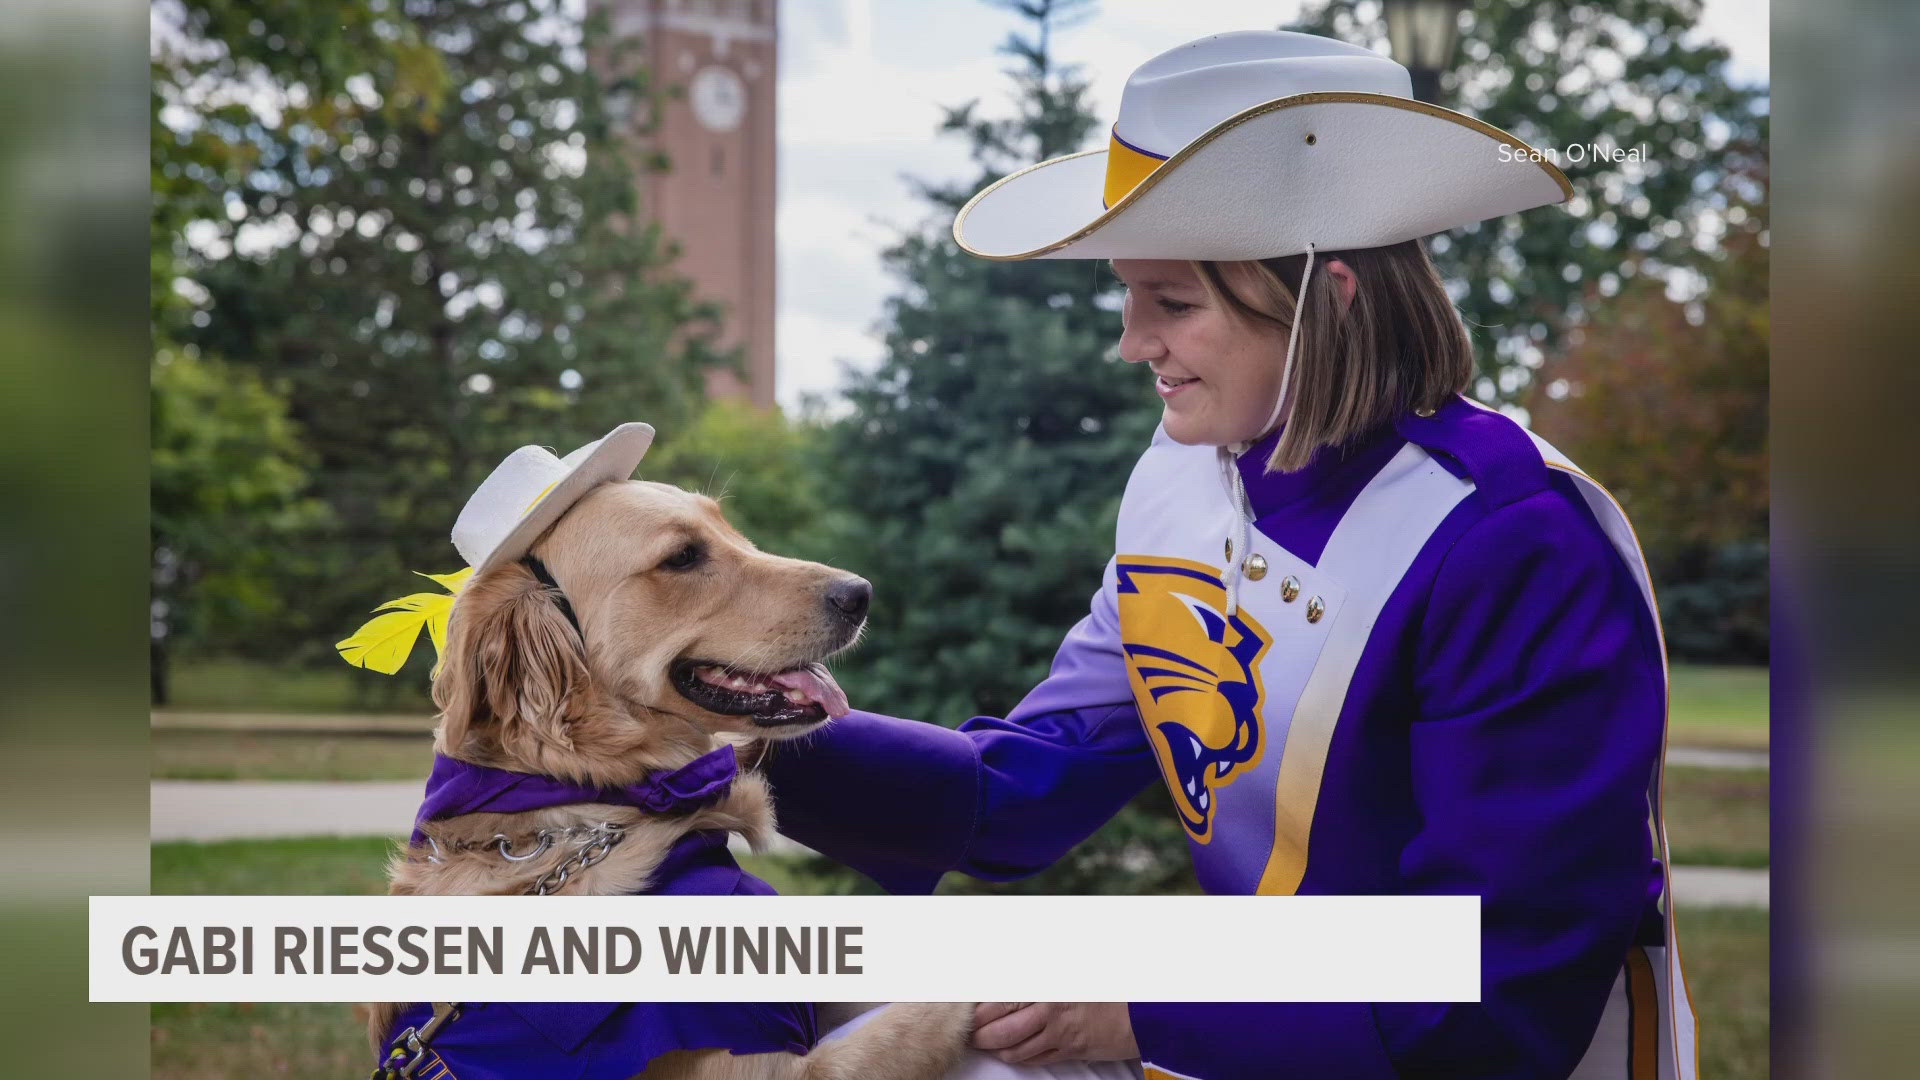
[{"x": 862, "y": 83}]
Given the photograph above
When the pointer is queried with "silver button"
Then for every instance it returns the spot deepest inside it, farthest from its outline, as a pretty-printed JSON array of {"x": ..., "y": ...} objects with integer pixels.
[
  {"x": 1289, "y": 588},
  {"x": 1316, "y": 608},
  {"x": 1256, "y": 567}
]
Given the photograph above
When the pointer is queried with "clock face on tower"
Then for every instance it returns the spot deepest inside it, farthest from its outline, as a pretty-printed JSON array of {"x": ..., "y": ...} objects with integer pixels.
[{"x": 719, "y": 98}]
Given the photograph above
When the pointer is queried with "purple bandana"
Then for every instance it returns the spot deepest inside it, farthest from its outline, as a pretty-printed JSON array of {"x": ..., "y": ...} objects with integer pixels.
[
  {"x": 606, "y": 1040},
  {"x": 458, "y": 787}
]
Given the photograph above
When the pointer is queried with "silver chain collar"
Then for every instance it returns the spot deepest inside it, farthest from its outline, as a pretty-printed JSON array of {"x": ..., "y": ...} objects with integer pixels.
[{"x": 592, "y": 843}]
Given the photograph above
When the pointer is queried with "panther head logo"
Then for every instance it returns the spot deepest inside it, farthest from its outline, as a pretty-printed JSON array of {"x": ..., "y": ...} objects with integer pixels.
[{"x": 1196, "y": 678}]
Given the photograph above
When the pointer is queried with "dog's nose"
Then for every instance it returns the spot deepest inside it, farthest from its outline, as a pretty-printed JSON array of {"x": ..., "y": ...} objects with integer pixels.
[{"x": 850, "y": 597}]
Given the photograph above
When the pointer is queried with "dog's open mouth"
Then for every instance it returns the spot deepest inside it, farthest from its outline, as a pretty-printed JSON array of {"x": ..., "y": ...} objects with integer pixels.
[{"x": 803, "y": 695}]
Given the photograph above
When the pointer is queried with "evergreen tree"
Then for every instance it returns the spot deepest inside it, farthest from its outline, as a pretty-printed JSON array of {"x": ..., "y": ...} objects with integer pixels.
[
  {"x": 977, "y": 477},
  {"x": 436, "y": 269},
  {"x": 1570, "y": 74}
]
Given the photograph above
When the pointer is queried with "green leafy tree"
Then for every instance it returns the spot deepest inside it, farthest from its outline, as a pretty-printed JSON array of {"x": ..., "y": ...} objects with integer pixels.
[
  {"x": 976, "y": 477},
  {"x": 227, "y": 472},
  {"x": 1571, "y": 74},
  {"x": 427, "y": 232}
]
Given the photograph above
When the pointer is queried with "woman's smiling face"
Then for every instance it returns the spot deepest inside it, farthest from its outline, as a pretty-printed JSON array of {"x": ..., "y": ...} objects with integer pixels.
[{"x": 1216, "y": 373}]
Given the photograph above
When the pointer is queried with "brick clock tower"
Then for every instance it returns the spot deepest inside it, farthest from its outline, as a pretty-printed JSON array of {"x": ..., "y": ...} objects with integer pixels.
[{"x": 717, "y": 199}]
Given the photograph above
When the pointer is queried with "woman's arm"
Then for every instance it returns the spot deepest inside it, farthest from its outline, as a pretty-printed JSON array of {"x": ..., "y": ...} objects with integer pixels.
[
  {"x": 1542, "y": 704},
  {"x": 905, "y": 802}
]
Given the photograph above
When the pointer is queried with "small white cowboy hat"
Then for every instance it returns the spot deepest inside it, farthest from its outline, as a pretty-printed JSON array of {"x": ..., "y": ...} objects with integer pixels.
[
  {"x": 524, "y": 495},
  {"x": 1255, "y": 145},
  {"x": 529, "y": 491}
]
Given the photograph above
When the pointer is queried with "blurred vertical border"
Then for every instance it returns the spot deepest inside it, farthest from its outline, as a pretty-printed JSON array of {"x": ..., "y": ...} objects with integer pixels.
[
  {"x": 1846, "y": 386},
  {"x": 73, "y": 580}
]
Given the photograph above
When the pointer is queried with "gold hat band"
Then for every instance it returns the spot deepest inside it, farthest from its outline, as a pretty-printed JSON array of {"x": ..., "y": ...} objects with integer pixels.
[{"x": 1126, "y": 167}]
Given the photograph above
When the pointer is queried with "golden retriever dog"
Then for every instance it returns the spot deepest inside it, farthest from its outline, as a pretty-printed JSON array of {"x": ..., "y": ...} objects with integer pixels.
[{"x": 688, "y": 638}]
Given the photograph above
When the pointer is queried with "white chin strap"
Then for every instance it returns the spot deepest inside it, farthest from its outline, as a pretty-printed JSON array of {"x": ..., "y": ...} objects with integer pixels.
[{"x": 1243, "y": 514}]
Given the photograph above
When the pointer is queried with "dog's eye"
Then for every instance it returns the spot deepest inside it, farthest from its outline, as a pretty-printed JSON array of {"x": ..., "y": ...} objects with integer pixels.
[{"x": 685, "y": 558}]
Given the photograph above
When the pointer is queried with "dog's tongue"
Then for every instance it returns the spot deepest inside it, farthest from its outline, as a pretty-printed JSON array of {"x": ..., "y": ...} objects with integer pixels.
[{"x": 815, "y": 682}]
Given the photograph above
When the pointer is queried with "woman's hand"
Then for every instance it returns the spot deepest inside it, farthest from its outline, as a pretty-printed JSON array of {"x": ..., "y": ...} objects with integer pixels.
[{"x": 1043, "y": 1033}]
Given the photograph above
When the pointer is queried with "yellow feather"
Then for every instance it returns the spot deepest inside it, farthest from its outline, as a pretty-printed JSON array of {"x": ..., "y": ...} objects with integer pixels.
[
  {"x": 386, "y": 640},
  {"x": 437, "y": 616},
  {"x": 420, "y": 601},
  {"x": 453, "y": 582}
]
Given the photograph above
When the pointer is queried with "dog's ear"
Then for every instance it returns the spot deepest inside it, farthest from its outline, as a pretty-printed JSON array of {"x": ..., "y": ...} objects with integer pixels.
[{"x": 514, "y": 664}]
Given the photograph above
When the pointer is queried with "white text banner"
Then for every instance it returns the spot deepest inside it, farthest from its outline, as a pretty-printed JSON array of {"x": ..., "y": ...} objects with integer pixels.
[{"x": 784, "y": 948}]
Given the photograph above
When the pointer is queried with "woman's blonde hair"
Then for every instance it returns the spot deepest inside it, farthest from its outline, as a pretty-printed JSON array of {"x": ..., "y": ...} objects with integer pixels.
[{"x": 1399, "y": 346}]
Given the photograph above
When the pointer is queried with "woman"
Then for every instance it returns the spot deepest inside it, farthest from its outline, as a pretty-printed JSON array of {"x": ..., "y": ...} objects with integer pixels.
[{"x": 1374, "y": 638}]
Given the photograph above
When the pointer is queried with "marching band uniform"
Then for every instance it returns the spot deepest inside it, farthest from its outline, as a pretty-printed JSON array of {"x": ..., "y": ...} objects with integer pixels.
[
  {"x": 1428, "y": 662},
  {"x": 1460, "y": 690}
]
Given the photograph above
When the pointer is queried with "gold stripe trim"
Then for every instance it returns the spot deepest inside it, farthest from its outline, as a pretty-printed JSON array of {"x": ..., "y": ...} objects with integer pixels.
[
  {"x": 1126, "y": 167},
  {"x": 1159, "y": 174},
  {"x": 543, "y": 494},
  {"x": 1643, "y": 1017}
]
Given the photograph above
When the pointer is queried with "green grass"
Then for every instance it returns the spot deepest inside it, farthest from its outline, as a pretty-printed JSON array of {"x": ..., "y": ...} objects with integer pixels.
[
  {"x": 191, "y": 1041},
  {"x": 228, "y": 684},
  {"x": 299, "y": 866},
  {"x": 264, "y": 754},
  {"x": 1718, "y": 817},
  {"x": 1719, "y": 706},
  {"x": 242, "y": 1040},
  {"x": 1725, "y": 951}
]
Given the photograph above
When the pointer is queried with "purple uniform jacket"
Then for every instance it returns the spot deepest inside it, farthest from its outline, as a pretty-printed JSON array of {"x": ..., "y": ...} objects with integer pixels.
[{"x": 1497, "y": 739}]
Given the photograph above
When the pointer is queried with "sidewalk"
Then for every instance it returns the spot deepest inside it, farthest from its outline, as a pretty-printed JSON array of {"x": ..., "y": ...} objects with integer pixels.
[
  {"x": 1722, "y": 886},
  {"x": 1707, "y": 757}
]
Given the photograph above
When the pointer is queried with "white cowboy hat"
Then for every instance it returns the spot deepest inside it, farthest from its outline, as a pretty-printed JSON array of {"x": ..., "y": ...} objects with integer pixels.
[
  {"x": 1255, "y": 145},
  {"x": 517, "y": 502},
  {"x": 529, "y": 491}
]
